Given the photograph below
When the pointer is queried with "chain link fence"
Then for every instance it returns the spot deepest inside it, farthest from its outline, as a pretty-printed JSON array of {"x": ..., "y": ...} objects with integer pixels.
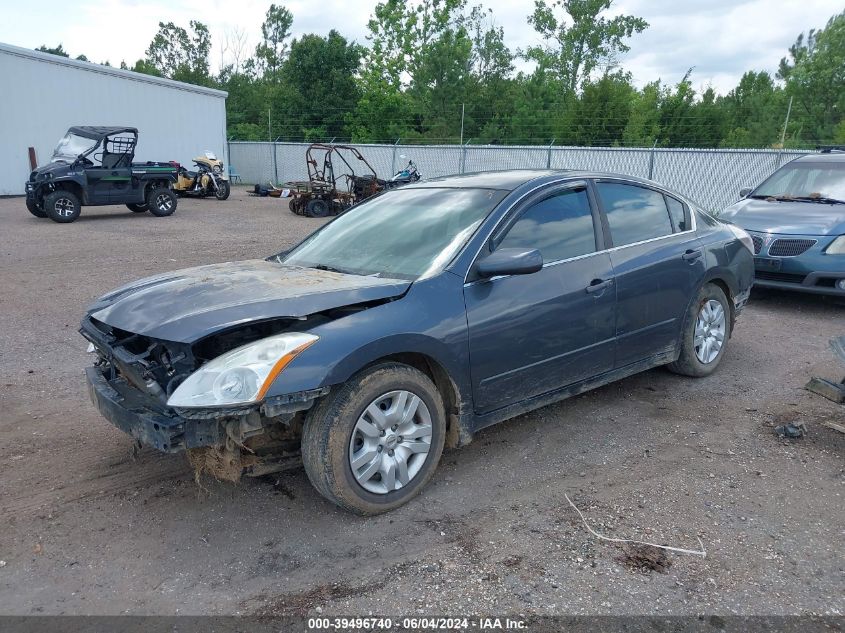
[{"x": 712, "y": 178}]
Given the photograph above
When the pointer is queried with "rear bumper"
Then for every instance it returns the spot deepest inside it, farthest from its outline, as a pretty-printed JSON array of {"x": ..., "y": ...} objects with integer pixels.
[{"x": 167, "y": 433}]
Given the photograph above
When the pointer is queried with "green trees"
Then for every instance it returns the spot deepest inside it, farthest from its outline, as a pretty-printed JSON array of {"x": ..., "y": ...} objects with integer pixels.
[
  {"x": 439, "y": 70},
  {"x": 815, "y": 76},
  {"x": 579, "y": 38}
]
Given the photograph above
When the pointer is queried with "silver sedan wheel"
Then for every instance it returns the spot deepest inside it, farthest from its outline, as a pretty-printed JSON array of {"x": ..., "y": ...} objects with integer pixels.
[
  {"x": 709, "y": 331},
  {"x": 390, "y": 442}
]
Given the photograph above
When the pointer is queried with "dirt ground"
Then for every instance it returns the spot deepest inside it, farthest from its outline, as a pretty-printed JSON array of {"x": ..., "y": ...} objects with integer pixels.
[{"x": 86, "y": 530}]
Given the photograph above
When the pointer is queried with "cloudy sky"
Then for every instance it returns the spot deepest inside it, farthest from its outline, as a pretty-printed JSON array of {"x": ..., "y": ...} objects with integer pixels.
[{"x": 720, "y": 38}]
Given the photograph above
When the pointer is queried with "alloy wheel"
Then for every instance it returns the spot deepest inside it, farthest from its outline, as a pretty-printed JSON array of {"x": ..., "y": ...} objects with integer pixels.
[
  {"x": 64, "y": 207},
  {"x": 163, "y": 202}
]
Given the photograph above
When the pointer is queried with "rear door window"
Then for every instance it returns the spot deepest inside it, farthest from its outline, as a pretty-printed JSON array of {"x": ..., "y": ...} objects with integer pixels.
[
  {"x": 679, "y": 214},
  {"x": 634, "y": 213}
]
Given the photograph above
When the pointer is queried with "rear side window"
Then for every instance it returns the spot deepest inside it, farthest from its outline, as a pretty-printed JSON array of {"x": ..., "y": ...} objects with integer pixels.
[
  {"x": 678, "y": 213},
  {"x": 560, "y": 227},
  {"x": 634, "y": 213}
]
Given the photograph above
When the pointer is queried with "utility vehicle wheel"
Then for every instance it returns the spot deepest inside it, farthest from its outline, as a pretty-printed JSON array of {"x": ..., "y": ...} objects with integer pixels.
[
  {"x": 62, "y": 206},
  {"x": 223, "y": 190},
  {"x": 707, "y": 328},
  {"x": 295, "y": 206},
  {"x": 35, "y": 209},
  {"x": 138, "y": 208},
  {"x": 161, "y": 202},
  {"x": 317, "y": 208},
  {"x": 374, "y": 442}
]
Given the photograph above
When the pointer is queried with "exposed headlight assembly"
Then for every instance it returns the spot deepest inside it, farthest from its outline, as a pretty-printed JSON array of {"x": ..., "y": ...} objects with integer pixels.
[
  {"x": 837, "y": 246},
  {"x": 242, "y": 375}
]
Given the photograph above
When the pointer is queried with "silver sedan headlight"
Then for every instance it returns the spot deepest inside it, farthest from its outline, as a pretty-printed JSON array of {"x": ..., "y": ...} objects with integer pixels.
[
  {"x": 242, "y": 375},
  {"x": 837, "y": 246}
]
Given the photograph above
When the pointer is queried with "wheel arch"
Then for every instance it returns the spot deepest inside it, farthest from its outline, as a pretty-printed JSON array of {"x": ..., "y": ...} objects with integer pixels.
[
  {"x": 448, "y": 389},
  {"x": 70, "y": 186}
]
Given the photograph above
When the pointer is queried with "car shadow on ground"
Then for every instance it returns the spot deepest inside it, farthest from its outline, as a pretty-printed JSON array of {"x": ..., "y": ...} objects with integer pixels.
[{"x": 785, "y": 300}]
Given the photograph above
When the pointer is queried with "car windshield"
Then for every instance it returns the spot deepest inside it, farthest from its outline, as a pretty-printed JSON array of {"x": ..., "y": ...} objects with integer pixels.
[
  {"x": 805, "y": 180},
  {"x": 71, "y": 146},
  {"x": 404, "y": 234}
]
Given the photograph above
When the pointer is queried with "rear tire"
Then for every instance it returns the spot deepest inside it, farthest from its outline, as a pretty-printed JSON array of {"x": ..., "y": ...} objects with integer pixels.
[
  {"x": 62, "y": 206},
  {"x": 161, "y": 202},
  {"x": 707, "y": 322},
  {"x": 317, "y": 208},
  {"x": 137, "y": 208},
  {"x": 35, "y": 209},
  {"x": 330, "y": 439}
]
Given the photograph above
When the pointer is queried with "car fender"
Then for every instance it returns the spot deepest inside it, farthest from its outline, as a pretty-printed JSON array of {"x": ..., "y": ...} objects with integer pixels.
[{"x": 430, "y": 320}]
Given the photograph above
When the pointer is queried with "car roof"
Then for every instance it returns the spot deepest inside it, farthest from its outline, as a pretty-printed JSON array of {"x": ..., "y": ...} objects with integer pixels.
[
  {"x": 100, "y": 131},
  {"x": 835, "y": 156},
  {"x": 512, "y": 179}
]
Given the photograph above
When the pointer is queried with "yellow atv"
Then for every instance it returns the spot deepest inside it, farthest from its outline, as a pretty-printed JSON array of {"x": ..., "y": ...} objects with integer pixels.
[{"x": 209, "y": 179}]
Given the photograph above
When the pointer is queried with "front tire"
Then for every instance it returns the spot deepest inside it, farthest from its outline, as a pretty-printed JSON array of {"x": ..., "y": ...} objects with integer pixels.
[
  {"x": 223, "y": 190},
  {"x": 707, "y": 328},
  {"x": 35, "y": 209},
  {"x": 161, "y": 202},
  {"x": 62, "y": 206},
  {"x": 373, "y": 443}
]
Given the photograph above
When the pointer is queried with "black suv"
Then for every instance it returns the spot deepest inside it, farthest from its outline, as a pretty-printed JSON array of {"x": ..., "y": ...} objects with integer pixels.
[{"x": 78, "y": 174}]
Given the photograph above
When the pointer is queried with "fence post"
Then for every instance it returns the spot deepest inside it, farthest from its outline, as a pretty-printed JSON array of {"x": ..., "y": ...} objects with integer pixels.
[
  {"x": 549, "y": 155},
  {"x": 393, "y": 160},
  {"x": 275, "y": 163},
  {"x": 651, "y": 160},
  {"x": 464, "y": 156}
]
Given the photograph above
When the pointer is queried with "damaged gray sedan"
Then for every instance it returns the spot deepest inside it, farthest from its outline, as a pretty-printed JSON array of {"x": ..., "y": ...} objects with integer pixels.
[{"x": 412, "y": 321}]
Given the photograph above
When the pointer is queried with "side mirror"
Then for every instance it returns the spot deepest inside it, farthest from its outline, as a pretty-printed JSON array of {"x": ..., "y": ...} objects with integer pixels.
[
  {"x": 510, "y": 261},
  {"x": 745, "y": 191}
]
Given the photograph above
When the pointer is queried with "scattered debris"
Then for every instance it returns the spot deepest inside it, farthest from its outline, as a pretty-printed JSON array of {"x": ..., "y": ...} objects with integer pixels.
[
  {"x": 681, "y": 550},
  {"x": 38, "y": 549},
  {"x": 644, "y": 558},
  {"x": 224, "y": 464},
  {"x": 2, "y": 563},
  {"x": 834, "y": 426},
  {"x": 827, "y": 388},
  {"x": 793, "y": 430}
]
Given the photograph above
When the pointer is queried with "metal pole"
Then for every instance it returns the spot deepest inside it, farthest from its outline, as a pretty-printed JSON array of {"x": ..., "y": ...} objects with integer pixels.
[
  {"x": 463, "y": 109},
  {"x": 275, "y": 164},
  {"x": 393, "y": 160},
  {"x": 651, "y": 160},
  {"x": 269, "y": 130},
  {"x": 785, "y": 123},
  {"x": 464, "y": 156},
  {"x": 549, "y": 157}
]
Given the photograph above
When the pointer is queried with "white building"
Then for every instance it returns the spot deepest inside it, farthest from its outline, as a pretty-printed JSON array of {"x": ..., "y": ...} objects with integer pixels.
[{"x": 43, "y": 95}]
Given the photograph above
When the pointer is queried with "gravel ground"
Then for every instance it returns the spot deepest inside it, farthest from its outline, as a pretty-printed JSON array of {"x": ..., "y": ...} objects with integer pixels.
[{"x": 86, "y": 530}]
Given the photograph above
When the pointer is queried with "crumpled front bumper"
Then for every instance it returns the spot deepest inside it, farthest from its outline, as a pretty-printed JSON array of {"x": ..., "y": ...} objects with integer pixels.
[{"x": 168, "y": 433}]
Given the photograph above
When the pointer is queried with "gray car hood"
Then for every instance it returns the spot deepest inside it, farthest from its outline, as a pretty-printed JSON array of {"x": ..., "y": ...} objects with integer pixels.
[
  {"x": 791, "y": 218},
  {"x": 187, "y": 305}
]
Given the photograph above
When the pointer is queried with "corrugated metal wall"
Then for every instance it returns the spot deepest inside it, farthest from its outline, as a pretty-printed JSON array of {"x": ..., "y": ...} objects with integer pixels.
[
  {"x": 712, "y": 178},
  {"x": 43, "y": 95}
]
